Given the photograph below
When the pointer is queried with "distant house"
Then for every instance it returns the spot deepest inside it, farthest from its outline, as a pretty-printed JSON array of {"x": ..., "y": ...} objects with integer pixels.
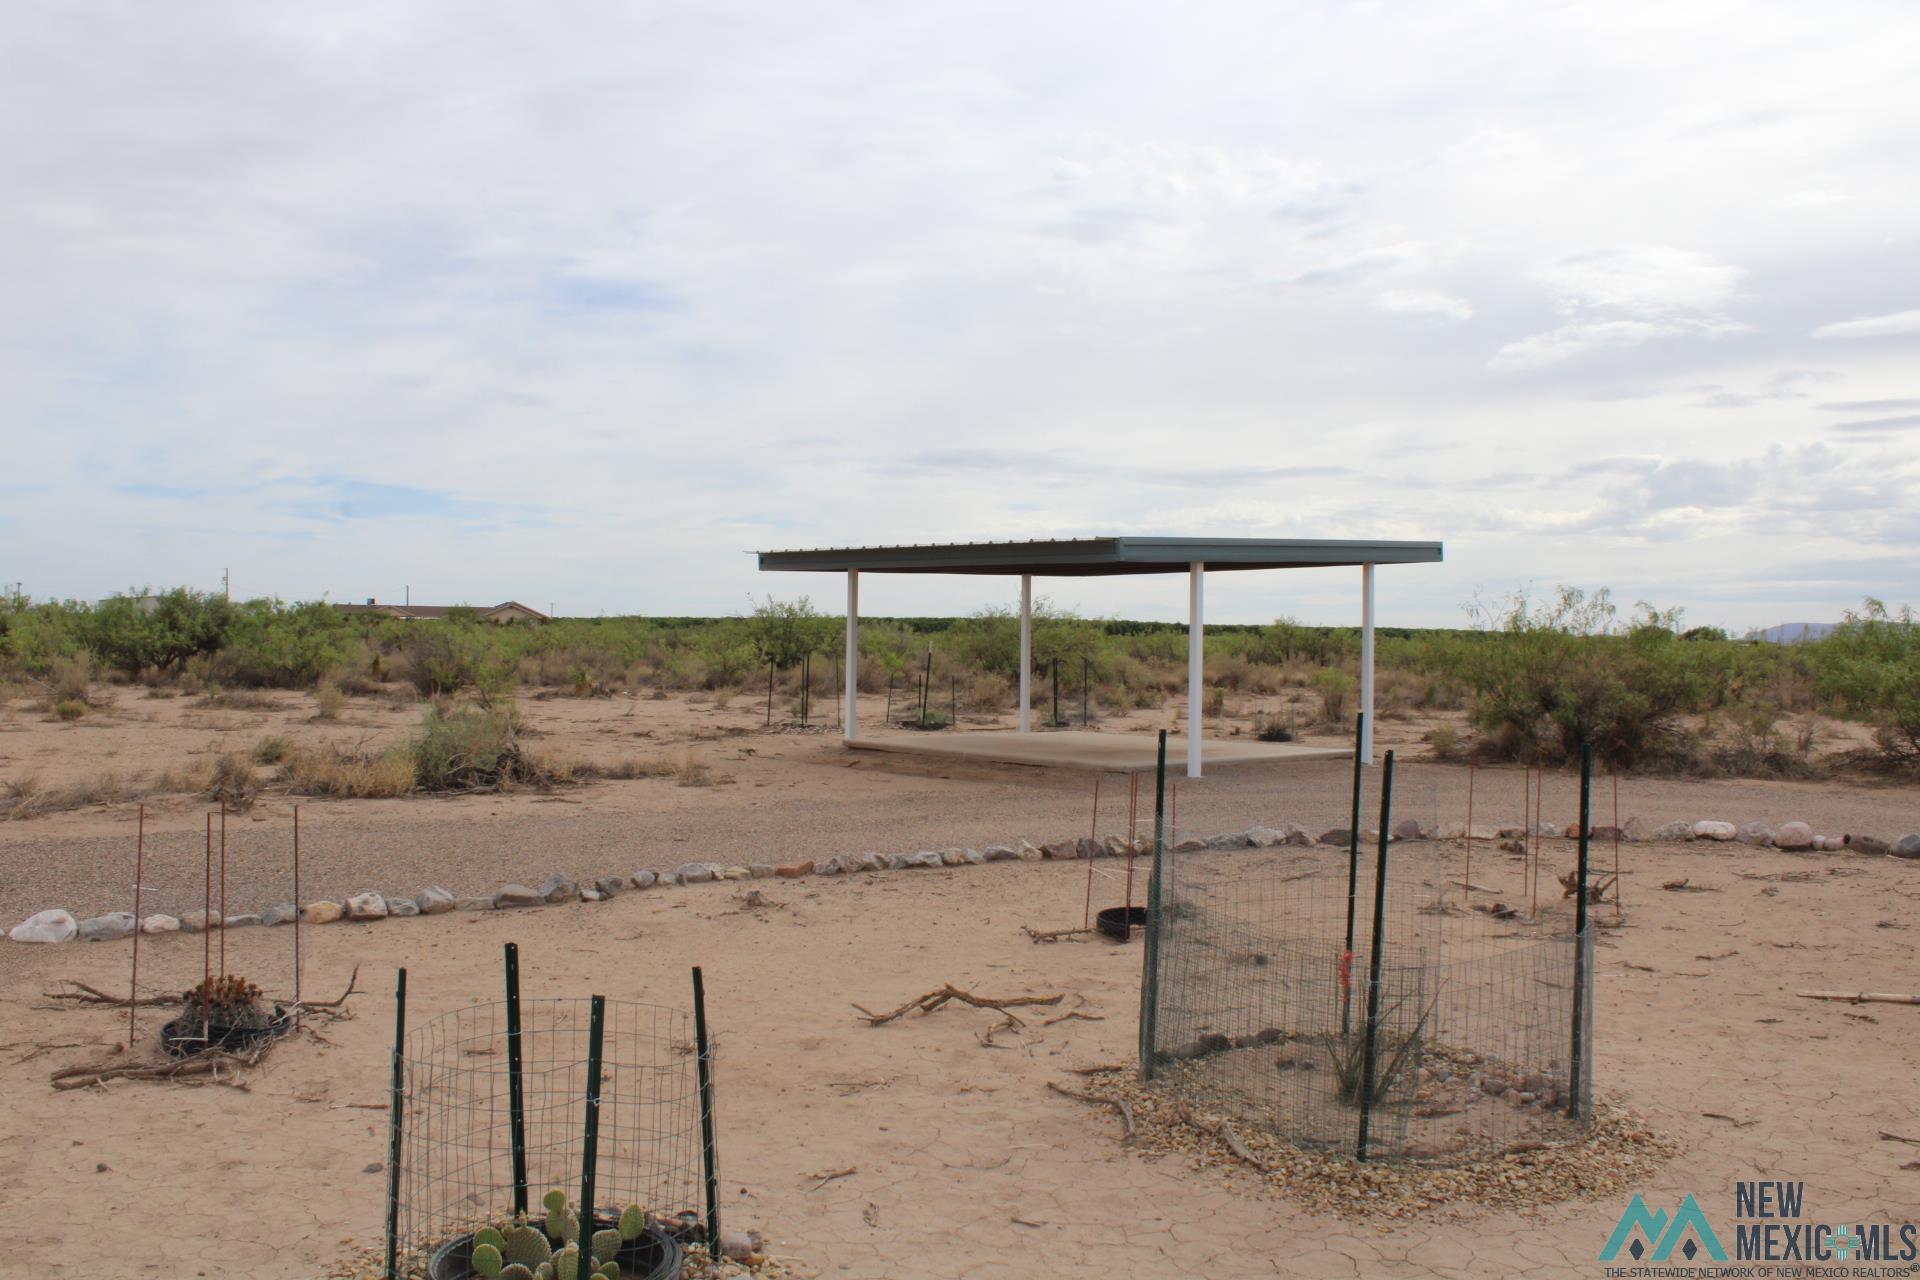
[{"x": 511, "y": 611}]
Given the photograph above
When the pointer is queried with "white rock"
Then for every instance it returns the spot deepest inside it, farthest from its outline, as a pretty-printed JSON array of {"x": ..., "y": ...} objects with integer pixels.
[
  {"x": 611, "y": 886},
  {"x": 107, "y": 928},
  {"x": 762, "y": 870},
  {"x": 693, "y": 873},
  {"x": 1265, "y": 837},
  {"x": 403, "y": 907},
  {"x": 1190, "y": 844},
  {"x": 999, "y": 853},
  {"x": 1754, "y": 833},
  {"x": 1707, "y": 829},
  {"x": 953, "y": 857},
  {"x": 322, "y": 912},
  {"x": 366, "y": 906},
  {"x": 1794, "y": 835},
  {"x": 645, "y": 878},
  {"x": 434, "y": 900},
  {"x": 1026, "y": 851},
  {"x": 1667, "y": 832},
  {"x": 735, "y": 873},
  {"x": 245, "y": 920},
  {"x": 160, "y": 924},
  {"x": 53, "y": 925},
  {"x": 972, "y": 857},
  {"x": 278, "y": 914}
]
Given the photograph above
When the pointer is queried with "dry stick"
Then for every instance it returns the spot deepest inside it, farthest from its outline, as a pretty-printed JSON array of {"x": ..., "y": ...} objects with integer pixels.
[
  {"x": 1084, "y": 1017},
  {"x": 1118, "y": 1104},
  {"x": 1539, "y": 822},
  {"x": 1224, "y": 1132},
  {"x": 1101, "y": 1070},
  {"x": 832, "y": 1175},
  {"x": 1862, "y": 997},
  {"x": 139, "y": 867},
  {"x": 1619, "y": 907},
  {"x": 934, "y": 999},
  {"x": 1053, "y": 935},
  {"x": 207, "y": 1063}
]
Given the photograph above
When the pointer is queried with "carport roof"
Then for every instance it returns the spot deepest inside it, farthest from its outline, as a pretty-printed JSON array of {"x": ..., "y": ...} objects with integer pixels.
[{"x": 1094, "y": 557}]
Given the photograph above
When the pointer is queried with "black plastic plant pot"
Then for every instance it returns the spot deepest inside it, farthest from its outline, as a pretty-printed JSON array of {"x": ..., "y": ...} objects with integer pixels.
[
  {"x": 1119, "y": 923},
  {"x": 654, "y": 1255},
  {"x": 189, "y": 1034}
]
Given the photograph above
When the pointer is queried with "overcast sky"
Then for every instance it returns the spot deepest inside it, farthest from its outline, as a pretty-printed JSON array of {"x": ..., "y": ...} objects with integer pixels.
[{"x": 580, "y": 304}]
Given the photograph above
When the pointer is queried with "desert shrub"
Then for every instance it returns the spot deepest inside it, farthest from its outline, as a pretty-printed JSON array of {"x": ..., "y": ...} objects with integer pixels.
[
  {"x": 128, "y": 633},
  {"x": 71, "y": 678},
  {"x": 683, "y": 767},
  {"x": 284, "y": 646},
  {"x": 1333, "y": 686},
  {"x": 1215, "y": 704},
  {"x": 69, "y": 708},
  {"x": 782, "y": 632},
  {"x": 471, "y": 748},
  {"x": 27, "y": 797},
  {"x": 1445, "y": 741},
  {"x": 1870, "y": 668},
  {"x": 233, "y": 782},
  {"x": 329, "y": 700},
  {"x": 1561, "y": 676},
  {"x": 239, "y": 700},
  {"x": 350, "y": 775},
  {"x": 1272, "y": 729},
  {"x": 271, "y": 750}
]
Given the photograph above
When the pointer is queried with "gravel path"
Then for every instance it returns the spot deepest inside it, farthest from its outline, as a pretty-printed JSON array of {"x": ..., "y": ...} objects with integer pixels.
[{"x": 786, "y": 798}]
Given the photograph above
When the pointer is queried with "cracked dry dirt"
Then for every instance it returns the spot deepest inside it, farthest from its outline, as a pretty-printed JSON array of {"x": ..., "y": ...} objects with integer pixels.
[{"x": 966, "y": 1164}]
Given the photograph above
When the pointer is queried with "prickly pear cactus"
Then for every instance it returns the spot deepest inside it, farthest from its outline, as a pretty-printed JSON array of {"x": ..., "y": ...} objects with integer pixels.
[
  {"x": 525, "y": 1245},
  {"x": 543, "y": 1272},
  {"x": 633, "y": 1222},
  {"x": 566, "y": 1264},
  {"x": 555, "y": 1201},
  {"x": 486, "y": 1259},
  {"x": 605, "y": 1245},
  {"x": 609, "y": 1270},
  {"x": 489, "y": 1235},
  {"x": 517, "y": 1272}
]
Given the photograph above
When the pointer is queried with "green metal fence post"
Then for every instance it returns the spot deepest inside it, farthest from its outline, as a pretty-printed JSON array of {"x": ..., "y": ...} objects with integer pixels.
[
  {"x": 1367, "y": 1064},
  {"x": 393, "y": 1125},
  {"x": 516, "y": 1095},
  {"x": 1580, "y": 934},
  {"x": 1150, "y": 974}
]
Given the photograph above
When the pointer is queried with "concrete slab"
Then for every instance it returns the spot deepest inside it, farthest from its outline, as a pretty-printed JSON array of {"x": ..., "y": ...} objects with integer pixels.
[{"x": 1081, "y": 749}]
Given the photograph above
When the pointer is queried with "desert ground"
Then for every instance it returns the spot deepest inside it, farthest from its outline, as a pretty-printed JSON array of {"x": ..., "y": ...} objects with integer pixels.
[{"x": 964, "y": 1162}]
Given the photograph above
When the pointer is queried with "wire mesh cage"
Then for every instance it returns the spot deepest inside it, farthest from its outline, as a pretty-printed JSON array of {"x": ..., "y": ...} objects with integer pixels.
[
  {"x": 1266, "y": 976},
  {"x": 492, "y": 1114}
]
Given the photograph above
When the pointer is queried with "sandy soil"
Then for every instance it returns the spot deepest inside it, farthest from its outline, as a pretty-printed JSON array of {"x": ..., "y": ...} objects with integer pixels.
[
  {"x": 967, "y": 1165},
  {"x": 959, "y": 1147}
]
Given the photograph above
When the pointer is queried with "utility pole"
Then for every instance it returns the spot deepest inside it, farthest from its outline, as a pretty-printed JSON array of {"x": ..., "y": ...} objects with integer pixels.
[{"x": 226, "y": 584}]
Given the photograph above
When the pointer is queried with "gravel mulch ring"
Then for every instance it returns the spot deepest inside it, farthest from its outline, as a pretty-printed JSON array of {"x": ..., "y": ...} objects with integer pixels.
[
  {"x": 370, "y": 1263},
  {"x": 1618, "y": 1152}
]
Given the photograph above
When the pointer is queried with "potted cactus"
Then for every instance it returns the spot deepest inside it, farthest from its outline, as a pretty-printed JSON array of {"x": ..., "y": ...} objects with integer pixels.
[{"x": 627, "y": 1247}]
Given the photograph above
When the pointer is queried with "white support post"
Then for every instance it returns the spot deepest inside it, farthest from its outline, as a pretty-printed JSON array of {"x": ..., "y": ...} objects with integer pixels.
[
  {"x": 1196, "y": 660},
  {"x": 1366, "y": 662},
  {"x": 1026, "y": 651},
  {"x": 853, "y": 654}
]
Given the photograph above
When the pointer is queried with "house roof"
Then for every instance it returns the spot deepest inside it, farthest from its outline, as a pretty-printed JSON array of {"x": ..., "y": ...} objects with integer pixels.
[
  {"x": 423, "y": 612},
  {"x": 1092, "y": 557}
]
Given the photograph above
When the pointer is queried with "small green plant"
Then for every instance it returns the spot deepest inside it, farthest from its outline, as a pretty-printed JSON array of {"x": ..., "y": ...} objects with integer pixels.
[
  {"x": 1349, "y": 1054},
  {"x": 1270, "y": 729},
  {"x": 1334, "y": 686},
  {"x": 69, "y": 708},
  {"x": 329, "y": 700},
  {"x": 519, "y": 1251},
  {"x": 271, "y": 750}
]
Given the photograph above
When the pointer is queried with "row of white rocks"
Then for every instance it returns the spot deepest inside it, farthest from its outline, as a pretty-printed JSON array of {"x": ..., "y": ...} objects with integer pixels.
[{"x": 58, "y": 925}]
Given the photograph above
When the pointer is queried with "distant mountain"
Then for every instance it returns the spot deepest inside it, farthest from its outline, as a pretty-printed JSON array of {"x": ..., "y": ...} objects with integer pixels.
[{"x": 1793, "y": 632}]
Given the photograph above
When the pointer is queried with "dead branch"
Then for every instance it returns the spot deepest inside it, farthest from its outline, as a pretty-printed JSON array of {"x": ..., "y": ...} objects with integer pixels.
[
  {"x": 81, "y": 993},
  {"x": 1862, "y": 997},
  {"x": 1570, "y": 886},
  {"x": 1067, "y": 1017},
  {"x": 1894, "y": 1137},
  {"x": 200, "y": 1064},
  {"x": 1225, "y": 1133},
  {"x": 934, "y": 999},
  {"x": 1118, "y": 1104},
  {"x": 832, "y": 1175},
  {"x": 1687, "y": 886},
  {"x": 352, "y": 979},
  {"x": 1053, "y": 935},
  {"x": 1099, "y": 1071}
]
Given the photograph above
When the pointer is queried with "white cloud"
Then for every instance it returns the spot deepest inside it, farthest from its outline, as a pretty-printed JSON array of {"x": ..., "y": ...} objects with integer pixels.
[
  {"x": 1425, "y": 302},
  {"x": 317, "y": 293},
  {"x": 1896, "y": 325},
  {"x": 1618, "y": 298}
]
